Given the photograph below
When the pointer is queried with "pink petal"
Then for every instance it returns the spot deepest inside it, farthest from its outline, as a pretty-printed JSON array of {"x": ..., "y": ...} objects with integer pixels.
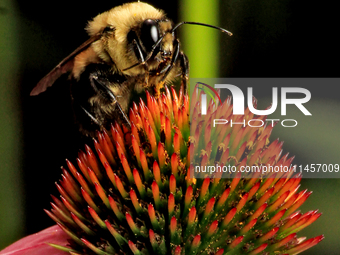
[{"x": 36, "y": 244}]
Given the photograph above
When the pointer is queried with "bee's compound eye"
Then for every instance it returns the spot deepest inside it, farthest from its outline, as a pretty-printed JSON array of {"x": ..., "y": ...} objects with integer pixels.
[{"x": 149, "y": 34}]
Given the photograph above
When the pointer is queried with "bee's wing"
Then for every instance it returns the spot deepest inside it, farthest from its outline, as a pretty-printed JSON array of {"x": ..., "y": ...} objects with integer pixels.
[{"x": 66, "y": 65}]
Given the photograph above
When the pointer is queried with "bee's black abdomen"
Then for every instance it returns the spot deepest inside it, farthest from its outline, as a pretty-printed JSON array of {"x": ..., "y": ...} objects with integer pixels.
[{"x": 96, "y": 96}]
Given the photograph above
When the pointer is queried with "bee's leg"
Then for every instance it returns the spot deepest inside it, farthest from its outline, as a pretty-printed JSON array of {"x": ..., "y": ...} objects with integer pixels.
[
  {"x": 173, "y": 61},
  {"x": 145, "y": 65},
  {"x": 105, "y": 92},
  {"x": 184, "y": 63},
  {"x": 90, "y": 116},
  {"x": 166, "y": 70},
  {"x": 85, "y": 118},
  {"x": 178, "y": 55}
]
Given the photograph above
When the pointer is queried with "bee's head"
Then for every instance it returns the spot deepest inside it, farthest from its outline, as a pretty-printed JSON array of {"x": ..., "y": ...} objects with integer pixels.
[
  {"x": 124, "y": 27},
  {"x": 134, "y": 34},
  {"x": 154, "y": 40}
]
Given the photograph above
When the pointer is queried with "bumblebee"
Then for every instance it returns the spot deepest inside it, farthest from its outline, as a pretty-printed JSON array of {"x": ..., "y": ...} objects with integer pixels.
[{"x": 131, "y": 48}]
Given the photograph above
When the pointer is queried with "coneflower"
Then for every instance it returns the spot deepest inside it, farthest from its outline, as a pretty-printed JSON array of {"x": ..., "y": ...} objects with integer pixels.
[{"x": 134, "y": 192}]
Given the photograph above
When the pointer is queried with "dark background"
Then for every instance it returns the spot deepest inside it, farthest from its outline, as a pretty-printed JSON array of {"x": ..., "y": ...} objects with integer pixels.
[{"x": 271, "y": 39}]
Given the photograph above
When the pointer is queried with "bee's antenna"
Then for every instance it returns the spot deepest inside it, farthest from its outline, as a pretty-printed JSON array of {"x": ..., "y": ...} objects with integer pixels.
[{"x": 201, "y": 24}]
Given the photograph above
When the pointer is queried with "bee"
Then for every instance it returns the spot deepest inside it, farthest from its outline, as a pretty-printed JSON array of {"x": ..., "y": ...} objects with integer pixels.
[{"x": 131, "y": 48}]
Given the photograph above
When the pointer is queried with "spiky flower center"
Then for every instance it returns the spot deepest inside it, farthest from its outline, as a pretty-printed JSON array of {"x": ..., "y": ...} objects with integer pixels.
[{"x": 135, "y": 195}]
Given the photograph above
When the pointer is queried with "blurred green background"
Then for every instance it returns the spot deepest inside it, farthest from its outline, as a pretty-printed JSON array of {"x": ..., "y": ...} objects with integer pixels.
[{"x": 289, "y": 38}]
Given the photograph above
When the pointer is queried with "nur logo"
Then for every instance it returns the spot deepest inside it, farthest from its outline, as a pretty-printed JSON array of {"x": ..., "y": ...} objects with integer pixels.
[
  {"x": 238, "y": 104},
  {"x": 238, "y": 99}
]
